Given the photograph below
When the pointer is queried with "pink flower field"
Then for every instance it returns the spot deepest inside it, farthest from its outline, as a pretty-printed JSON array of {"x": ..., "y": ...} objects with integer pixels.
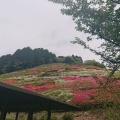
[{"x": 68, "y": 83}]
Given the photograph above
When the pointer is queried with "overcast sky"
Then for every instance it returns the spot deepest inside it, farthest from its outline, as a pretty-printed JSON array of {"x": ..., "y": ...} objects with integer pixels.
[{"x": 38, "y": 24}]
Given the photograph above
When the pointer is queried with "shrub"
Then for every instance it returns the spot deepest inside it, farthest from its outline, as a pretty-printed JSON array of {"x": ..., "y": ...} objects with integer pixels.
[
  {"x": 113, "y": 113},
  {"x": 44, "y": 117},
  {"x": 94, "y": 63},
  {"x": 68, "y": 116}
]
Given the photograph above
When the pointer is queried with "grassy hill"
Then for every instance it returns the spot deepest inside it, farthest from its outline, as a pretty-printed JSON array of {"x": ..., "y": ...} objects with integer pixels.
[{"x": 83, "y": 86}]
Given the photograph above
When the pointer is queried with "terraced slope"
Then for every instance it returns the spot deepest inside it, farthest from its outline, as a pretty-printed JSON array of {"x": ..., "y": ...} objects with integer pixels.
[{"x": 83, "y": 86}]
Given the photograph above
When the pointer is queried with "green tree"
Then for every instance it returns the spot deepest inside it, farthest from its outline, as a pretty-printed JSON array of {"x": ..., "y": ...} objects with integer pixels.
[
  {"x": 69, "y": 60},
  {"x": 24, "y": 57},
  {"x": 95, "y": 63},
  {"x": 78, "y": 60},
  {"x": 42, "y": 56},
  {"x": 5, "y": 63},
  {"x": 100, "y": 19},
  {"x": 38, "y": 56}
]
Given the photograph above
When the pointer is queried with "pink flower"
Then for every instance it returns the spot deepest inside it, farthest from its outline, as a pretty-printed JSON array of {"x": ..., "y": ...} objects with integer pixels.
[
  {"x": 58, "y": 69},
  {"x": 94, "y": 67},
  {"x": 82, "y": 95},
  {"x": 29, "y": 87},
  {"x": 32, "y": 73},
  {"x": 39, "y": 88},
  {"x": 10, "y": 81}
]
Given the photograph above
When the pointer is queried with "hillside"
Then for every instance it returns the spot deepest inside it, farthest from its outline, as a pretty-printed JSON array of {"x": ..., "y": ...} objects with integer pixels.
[
  {"x": 78, "y": 85},
  {"x": 28, "y": 58}
]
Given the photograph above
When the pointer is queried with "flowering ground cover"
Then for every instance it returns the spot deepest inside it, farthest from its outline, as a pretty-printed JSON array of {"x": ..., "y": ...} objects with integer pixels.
[
  {"x": 10, "y": 81},
  {"x": 41, "y": 88},
  {"x": 75, "y": 84}
]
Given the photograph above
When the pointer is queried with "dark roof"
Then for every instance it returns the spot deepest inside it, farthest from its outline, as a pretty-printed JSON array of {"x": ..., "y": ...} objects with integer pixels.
[{"x": 17, "y": 99}]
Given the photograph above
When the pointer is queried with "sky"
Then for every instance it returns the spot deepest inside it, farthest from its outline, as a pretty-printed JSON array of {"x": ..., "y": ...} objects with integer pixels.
[{"x": 39, "y": 24}]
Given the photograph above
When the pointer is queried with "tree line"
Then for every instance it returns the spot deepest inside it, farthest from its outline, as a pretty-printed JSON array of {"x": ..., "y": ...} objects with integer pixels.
[
  {"x": 25, "y": 58},
  {"x": 28, "y": 58}
]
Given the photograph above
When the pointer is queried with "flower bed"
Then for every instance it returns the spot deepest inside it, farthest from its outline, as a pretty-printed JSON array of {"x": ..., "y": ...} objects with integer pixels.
[
  {"x": 68, "y": 83},
  {"x": 42, "y": 88},
  {"x": 10, "y": 81},
  {"x": 32, "y": 73},
  {"x": 83, "y": 95}
]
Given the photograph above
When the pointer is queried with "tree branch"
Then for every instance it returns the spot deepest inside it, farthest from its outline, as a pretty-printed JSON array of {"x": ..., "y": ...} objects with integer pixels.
[
  {"x": 114, "y": 1},
  {"x": 102, "y": 37}
]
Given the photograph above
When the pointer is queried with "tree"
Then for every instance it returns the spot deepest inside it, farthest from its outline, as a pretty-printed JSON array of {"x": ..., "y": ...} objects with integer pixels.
[
  {"x": 38, "y": 56},
  {"x": 25, "y": 57},
  {"x": 78, "y": 59},
  {"x": 100, "y": 19},
  {"x": 95, "y": 63},
  {"x": 69, "y": 60},
  {"x": 42, "y": 56}
]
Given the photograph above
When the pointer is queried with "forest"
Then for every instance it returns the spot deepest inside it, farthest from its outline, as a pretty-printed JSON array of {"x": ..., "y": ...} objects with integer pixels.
[{"x": 27, "y": 58}]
